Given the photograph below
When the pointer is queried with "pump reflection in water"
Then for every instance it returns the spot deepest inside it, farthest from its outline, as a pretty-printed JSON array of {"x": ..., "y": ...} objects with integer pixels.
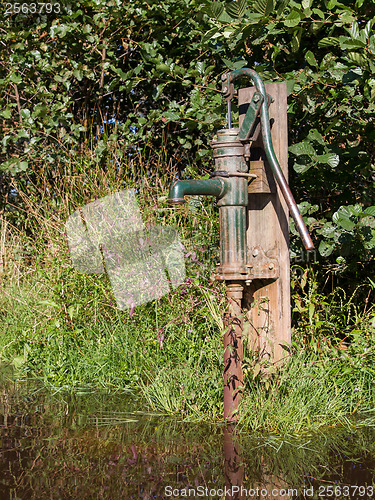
[{"x": 234, "y": 465}]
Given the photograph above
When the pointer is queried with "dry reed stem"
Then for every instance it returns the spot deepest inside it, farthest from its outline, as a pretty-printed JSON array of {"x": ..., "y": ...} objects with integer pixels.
[{"x": 3, "y": 231}]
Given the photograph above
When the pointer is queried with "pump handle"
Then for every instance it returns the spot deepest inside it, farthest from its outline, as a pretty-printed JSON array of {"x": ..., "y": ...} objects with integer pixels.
[{"x": 227, "y": 89}]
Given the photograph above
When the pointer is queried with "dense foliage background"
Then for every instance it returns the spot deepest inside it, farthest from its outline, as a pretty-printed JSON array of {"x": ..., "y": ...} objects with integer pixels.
[{"x": 103, "y": 80}]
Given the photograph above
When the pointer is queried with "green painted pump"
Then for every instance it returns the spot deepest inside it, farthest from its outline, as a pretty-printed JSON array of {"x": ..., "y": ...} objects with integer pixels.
[{"x": 229, "y": 184}]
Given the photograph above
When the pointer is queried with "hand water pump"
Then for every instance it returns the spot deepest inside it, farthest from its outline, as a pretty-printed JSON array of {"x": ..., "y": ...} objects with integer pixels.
[{"x": 242, "y": 263}]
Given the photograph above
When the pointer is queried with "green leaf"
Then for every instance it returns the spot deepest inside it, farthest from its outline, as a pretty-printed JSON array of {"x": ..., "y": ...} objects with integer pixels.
[
  {"x": 78, "y": 73},
  {"x": 354, "y": 30},
  {"x": 239, "y": 64},
  {"x": 232, "y": 65},
  {"x": 49, "y": 303},
  {"x": 347, "y": 16},
  {"x": 326, "y": 248},
  {"x": 357, "y": 58},
  {"x": 328, "y": 230},
  {"x": 290, "y": 86},
  {"x": 356, "y": 209},
  {"x": 328, "y": 41},
  {"x": 14, "y": 166},
  {"x": 310, "y": 58},
  {"x": 15, "y": 78},
  {"x": 236, "y": 9},
  {"x": 371, "y": 45},
  {"x": 345, "y": 216},
  {"x": 264, "y": 7},
  {"x": 304, "y": 207},
  {"x": 316, "y": 136},
  {"x": 370, "y": 211},
  {"x": 296, "y": 39},
  {"x": 302, "y": 148},
  {"x": 22, "y": 166},
  {"x": 200, "y": 67},
  {"x": 211, "y": 34},
  {"x": 25, "y": 113},
  {"x": 330, "y": 159},
  {"x": 6, "y": 113},
  {"x": 292, "y": 19},
  {"x": 171, "y": 115},
  {"x": 252, "y": 18},
  {"x": 306, "y": 4},
  {"x": 256, "y": 370},
  {"x": 71, "y": 310},
  {"x": 349, "y": 43},
  {"x": 281, "y": 7},
  {"x": 216, "y": 8},
  {"x": 368, "y": 29},
  {"x": 60, "y": 30},
  {"x": 300, "y": 169},
  {"x": 163, "y": 68},
  {"x": 319, "y": 13},
  {"x": 18, "y": 361}
]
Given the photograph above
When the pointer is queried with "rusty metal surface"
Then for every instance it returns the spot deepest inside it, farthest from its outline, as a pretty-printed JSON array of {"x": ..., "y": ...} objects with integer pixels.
[
  {"x": 233, "y": 351},
  {"x": 234, "y": 464}
]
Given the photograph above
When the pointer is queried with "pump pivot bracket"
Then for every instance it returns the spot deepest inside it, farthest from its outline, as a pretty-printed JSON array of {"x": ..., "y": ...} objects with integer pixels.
[
  {"x": 260, "y": 266},
  {"x": 252, "y": 113}
]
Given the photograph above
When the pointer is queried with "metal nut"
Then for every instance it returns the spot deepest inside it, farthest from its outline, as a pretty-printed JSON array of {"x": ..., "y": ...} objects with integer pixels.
[
  {"x": 271, "y": 266},
  {"x": 255, "y": 252}
]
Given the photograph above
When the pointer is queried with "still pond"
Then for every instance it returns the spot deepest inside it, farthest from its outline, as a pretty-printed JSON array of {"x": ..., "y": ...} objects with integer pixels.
[{"x": 94, "y": 446}]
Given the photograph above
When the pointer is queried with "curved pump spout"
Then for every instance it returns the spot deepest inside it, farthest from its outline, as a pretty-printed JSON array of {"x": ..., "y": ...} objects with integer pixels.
[{"x": 213, "y": 187}]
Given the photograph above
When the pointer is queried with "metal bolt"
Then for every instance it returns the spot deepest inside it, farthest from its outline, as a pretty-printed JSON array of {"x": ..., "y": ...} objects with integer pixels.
[
  {"x": 271, "y": 266},
  {"x": 256, "y": 98},
  {"x": 255, "y": 252}
]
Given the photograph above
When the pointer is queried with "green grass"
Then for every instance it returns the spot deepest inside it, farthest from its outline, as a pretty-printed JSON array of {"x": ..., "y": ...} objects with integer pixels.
[
  {"x": 93, "y": 344},
  {"x": 311, "y": 392},
  {"x": 63, "y": 327},
  {"x": 170, "y": 352}
]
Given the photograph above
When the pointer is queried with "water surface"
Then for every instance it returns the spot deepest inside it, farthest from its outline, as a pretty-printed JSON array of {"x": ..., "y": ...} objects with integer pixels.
[{"x": 92, "y": 445}]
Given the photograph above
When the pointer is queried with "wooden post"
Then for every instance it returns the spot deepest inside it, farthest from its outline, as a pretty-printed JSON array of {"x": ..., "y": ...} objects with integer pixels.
[{"x": 268, "y": 299}]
